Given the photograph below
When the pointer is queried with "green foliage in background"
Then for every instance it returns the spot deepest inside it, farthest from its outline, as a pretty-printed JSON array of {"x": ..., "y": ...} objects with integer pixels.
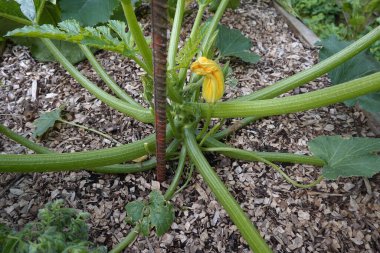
[
  {"x": 347, "y": 19},
  {"x": 361, "y": 65},
  {"x": 58, "y": 229}
]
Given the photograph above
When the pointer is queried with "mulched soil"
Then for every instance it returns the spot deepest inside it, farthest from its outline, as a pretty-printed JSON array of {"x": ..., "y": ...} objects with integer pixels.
[{"x": 335, "y": 216}]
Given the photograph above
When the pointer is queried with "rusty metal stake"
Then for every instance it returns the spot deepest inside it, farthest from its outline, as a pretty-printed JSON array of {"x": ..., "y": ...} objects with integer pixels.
[{"x": 159, "y": 24}]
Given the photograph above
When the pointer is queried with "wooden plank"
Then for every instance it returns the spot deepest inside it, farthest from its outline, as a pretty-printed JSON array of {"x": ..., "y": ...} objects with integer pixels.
[{"x": 303, "y": 32}]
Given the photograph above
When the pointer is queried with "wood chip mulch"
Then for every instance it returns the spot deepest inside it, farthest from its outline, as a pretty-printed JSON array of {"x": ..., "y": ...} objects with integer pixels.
[{"x": 335, "y": 216}]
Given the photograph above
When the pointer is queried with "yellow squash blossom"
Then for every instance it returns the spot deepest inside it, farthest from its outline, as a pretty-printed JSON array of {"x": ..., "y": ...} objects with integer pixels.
[{"x": 213, "y": 84}]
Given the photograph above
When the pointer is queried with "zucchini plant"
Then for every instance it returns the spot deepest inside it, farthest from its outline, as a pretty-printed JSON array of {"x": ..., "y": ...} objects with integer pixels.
[{"x": 182, "y": 107}]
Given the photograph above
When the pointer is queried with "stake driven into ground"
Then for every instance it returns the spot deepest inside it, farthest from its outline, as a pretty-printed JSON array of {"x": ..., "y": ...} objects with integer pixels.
[{"x": 159, "y": 23}]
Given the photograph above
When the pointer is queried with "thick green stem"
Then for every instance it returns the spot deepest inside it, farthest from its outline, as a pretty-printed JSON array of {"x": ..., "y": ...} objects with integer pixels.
[
  {"x": 106, "y": 78},
  {"x": 214, "y": 23},
  {"x": 176, "y": 31},
  {"x": 270, "y": 156},
  {"x": 315, "y": 71},
  {"x": 112, "y": 169},
  {"x": 197, "y": 21},
  {"x": 181, "y": 164},
  {"x": 302, "y": 77},
  {"x": 143, "y": 115},
  {"x": 137, "y": 34},
  {"x": 297, "y": 103},
  {"x": 224, "y": 197},
  {"x": 126, "y": 168},
  {"x": 75, "y": 161}
]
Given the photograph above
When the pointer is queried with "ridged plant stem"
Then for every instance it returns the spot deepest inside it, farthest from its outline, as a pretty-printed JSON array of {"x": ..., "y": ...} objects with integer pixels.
[
  {"x": 317, "y": 70},
  {"x": 224, "y": 197},
  {"x": 297, "y": 103}
]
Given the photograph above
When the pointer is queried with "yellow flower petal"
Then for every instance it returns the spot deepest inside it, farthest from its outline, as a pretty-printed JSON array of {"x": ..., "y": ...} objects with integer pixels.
[{"x": 213, "y": 84}]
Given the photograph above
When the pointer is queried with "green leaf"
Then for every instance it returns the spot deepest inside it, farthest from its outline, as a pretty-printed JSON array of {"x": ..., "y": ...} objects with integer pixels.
[
  {"x": 46, "y": 121},
  {"x": 158, "y": 213},
  {"x": 88, "y": 12},
  {"x": 162, "y": 218},
  {"x": 156, "y": 198},
  {"x": 347, "y": 157},
  {"x": 231, "y": 42},
  {"x": 70, "y": 31},
  {"x": 161, "y": 214},
  {"x": 11, "y": 8},
  {"x": 58, "y": 229},
  {"x": 361, "y": 65},
  {"x": 27, "y": 8},
  {"x": 71, "y": 51},
  {"x": 134, "y": 211}
]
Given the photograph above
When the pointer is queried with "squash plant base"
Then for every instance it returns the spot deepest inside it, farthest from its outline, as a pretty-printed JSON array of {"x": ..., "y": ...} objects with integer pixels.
[{"x": 262, "y": 192}]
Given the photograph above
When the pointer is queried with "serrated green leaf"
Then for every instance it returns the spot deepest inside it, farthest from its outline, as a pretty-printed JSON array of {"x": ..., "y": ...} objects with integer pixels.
[
  {"x": 161, "y": 216},
  {"x": 361, "y": 65},
  {"x": 70, "y": 31},
  {"x": 119, "y": 27},
  {"x": 88, "y": 12},
  {"x": 135, "y": 211},
  {"x": 46, "y": 121},
  {"x": 156, "y": 198},
  {"x": 70, "y": 27},
  {"x": 347, "y": 157},
  {"x": 191, "y": 47},
  {"x": 50, "y": 15},
  {"x": 27, "y": 8},
  {"x": 231, "y": 42}
]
